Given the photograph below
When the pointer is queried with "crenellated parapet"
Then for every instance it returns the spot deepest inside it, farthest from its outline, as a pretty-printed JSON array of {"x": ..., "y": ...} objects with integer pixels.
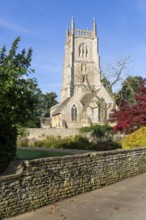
[
  {"x": 78, "y": 33},
  {"x": 84, "y": 33}
]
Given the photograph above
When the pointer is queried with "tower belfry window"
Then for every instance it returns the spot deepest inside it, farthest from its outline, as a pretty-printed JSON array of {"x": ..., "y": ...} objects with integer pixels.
[
  {"x": 83, "y": 50},
  {"x": 74, "y": 113},
  {"x": 86, "y": 51}
]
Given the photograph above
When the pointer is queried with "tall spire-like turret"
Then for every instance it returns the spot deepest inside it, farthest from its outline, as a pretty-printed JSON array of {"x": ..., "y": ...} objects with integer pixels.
[
  {"x": 72, "y": 25},
  {"x": 94, "y": 26},
  {"x": 67, "y": 32}
]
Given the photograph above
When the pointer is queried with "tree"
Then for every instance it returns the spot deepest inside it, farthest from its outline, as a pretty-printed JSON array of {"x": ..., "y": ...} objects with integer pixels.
[
  {"x": 50, "y": 100},
  {"x": 112, "y": 76},
  {"x": 128, "y": 91},
  {"x": 130, "y": 117},
  {"x": 45, "y": 102},
  {"x": 42, "y": 109},
  {"x": 34, "y": 120},
  {"x": 110, "y": 79},
  {"x": 18, "y": 96}
]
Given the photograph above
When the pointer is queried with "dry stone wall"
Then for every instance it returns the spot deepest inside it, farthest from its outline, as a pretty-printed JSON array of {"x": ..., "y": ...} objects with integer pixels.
[
  {"x": 40, "y": 133},
  {"x": 53, "y": 132},
  {"x": 44, "y": 181}
]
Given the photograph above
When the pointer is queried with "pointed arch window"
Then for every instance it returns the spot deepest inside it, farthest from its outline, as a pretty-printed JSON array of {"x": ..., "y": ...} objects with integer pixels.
[{"x": 74, "y": 113}]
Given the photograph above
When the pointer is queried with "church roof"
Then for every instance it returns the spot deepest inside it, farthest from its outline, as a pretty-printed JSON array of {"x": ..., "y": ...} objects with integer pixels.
[
  {"x": 60, "y": 107},
  {"x": 87, "y": 98}
]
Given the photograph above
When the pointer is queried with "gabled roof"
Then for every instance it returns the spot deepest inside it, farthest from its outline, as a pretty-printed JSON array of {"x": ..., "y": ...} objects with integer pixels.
[
  {"x": 87, "y": 98},
  {"x": 60, "y": 107}
]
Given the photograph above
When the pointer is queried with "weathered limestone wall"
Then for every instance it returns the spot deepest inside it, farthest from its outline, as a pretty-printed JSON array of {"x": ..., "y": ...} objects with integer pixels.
[
  {"x": 44, "y": 181},
  {"x": 61, "y": 132},
  {"x": 55, "y": 132}
]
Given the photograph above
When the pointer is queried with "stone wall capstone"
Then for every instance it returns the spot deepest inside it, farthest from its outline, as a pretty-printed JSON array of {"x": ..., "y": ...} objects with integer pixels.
[{"x": 48, "y": 180}]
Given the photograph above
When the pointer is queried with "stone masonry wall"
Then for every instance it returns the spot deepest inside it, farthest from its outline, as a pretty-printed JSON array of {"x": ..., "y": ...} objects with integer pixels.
[
  {"x": 43, "y": 181},
  {"x": 40, "y": 133},
  {"x": 54, "y": 132}
]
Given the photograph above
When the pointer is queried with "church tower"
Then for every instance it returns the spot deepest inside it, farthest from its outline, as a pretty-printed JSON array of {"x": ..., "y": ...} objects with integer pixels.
[
  {"x": 84, "y": 100},
  {"x": 81, "y": 60}
]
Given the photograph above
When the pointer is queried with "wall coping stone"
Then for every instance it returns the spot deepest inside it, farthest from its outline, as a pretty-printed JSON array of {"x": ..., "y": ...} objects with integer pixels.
[
  {"x": 13, "y": 171},
  {"x": 31, "y": 184},
  {"x": 16, "y": 168},
  {"x": 89, "y": 154}
]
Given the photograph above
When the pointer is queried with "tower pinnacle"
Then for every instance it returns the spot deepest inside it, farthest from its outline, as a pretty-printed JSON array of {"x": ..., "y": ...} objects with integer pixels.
[
  {"x": 67, "y": 32},
  {"x": 94, "y": 26},
  {"x": 72, "y": 25}
]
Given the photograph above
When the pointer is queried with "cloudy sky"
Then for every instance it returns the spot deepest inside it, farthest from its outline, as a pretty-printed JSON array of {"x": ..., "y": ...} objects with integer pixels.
[{"x": 41, "y": 24}]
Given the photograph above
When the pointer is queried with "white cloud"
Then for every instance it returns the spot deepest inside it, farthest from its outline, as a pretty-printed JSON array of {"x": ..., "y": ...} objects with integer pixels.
[{"x": 12, "y": 26}]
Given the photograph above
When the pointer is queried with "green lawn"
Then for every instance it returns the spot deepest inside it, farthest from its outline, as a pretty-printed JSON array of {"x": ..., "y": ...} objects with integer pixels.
[{"x": 33, "y": 154}]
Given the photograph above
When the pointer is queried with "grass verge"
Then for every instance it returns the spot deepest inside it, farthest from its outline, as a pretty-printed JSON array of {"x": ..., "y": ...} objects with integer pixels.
[{"x": 34, "y": 154}]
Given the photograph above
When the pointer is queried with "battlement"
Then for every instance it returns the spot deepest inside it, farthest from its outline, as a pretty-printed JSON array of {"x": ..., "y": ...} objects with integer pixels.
[{"x": 84, "y": 33}]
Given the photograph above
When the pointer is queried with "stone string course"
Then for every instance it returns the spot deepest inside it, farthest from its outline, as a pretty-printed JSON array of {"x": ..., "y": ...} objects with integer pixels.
[{"x": 45, "y": 181}]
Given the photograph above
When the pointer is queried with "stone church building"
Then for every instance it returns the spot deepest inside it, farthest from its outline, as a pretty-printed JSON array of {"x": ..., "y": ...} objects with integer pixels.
[{"x": 84, "y": 99}]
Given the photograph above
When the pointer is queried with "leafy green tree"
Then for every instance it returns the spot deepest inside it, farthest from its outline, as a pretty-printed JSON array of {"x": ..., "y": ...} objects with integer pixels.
[
  {"x": 39, "y": 111},
  {"x": 106, "y": 83},
  {"x": 42, "y": 109},
  {"x": 129, "y": 89},
  {"x": 18, "y": 96},
  {"x": 50, "y": 100},
  {"x": 130, "y": 117}
]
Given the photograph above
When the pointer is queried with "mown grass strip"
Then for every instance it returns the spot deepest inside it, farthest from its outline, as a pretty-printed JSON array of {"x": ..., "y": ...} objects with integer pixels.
[{"x": 33, "y": 154}]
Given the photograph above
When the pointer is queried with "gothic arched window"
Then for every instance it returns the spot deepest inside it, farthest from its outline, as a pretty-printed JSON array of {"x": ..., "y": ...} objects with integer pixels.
[
  {"x": 83, "y": 50},
  {"x": 74, "y": 113}
]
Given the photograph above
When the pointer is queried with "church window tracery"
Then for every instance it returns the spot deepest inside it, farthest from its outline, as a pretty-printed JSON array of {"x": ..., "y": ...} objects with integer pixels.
[
  {"x": 83, "y": 50},
  {"x": 74, "y": 113}
]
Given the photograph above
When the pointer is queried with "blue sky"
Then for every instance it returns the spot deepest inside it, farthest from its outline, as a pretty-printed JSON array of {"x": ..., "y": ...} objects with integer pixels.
[{"x": 41, "y": 24}]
